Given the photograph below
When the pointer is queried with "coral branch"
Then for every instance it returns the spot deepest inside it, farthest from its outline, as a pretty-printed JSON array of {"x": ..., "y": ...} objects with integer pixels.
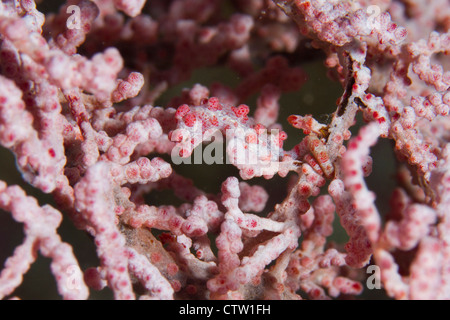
[{"x": 138, "y": 121}]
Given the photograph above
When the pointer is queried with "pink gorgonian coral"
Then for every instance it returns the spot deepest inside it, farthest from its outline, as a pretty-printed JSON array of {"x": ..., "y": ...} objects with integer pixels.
[{"x": 99, "y": 108}]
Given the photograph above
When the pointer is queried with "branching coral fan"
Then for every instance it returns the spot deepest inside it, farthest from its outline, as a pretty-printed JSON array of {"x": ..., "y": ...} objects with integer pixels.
[{"x": 79, "y": 91}]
